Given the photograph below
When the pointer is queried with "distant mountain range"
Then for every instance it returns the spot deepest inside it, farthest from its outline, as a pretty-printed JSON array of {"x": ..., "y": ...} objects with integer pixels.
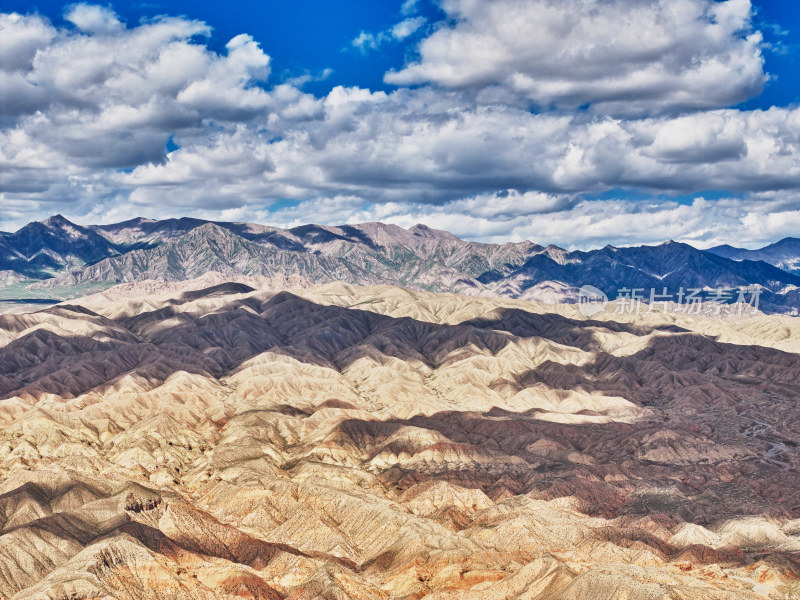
[
  {"x": 55, "y": 245},
  {"x": 56, "y": 253},
  {"x": 784, "y": 254}
]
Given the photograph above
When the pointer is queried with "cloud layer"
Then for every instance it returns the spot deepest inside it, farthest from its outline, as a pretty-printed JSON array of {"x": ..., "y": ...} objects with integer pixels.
[
  {"x": 89, "y": 108},
  {"x": 621, "y": 56}
]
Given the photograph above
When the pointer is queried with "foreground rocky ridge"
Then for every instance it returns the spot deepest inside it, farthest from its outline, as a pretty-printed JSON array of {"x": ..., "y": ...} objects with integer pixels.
[{"x": 162, "y": 441}]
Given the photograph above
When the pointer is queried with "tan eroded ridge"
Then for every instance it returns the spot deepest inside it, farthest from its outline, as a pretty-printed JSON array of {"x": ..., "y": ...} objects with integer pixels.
[{"x": 346, "y": 442}]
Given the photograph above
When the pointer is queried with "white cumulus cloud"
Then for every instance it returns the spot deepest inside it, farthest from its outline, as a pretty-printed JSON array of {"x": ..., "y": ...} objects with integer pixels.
[
  {"x": 88, "y": 109},
  {"x": 619, "y": 56}
]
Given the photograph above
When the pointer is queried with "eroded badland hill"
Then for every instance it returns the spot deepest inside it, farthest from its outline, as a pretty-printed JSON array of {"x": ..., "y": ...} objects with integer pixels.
[{"x": 343, "y": 442}]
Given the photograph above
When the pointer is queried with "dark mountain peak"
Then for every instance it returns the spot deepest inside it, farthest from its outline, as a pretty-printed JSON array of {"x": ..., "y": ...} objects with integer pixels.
[
  {"x": 56, "y": 229},
  {"x": 787, "y": 241},
  {"x": 56, "y": 222},
  {"x": 668, "y": 248},
  {"x": 726, "y": 250},
  {"x": 43, "y": 248},
  {"x": 784, "y": 254},
  {"x": 670, "y": 245},
  {"x": 33, "y": 226},
  {"x": 59, "y": 221}
]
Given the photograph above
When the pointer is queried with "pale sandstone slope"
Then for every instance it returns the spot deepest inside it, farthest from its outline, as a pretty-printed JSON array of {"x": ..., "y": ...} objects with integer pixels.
[{"x": 339, "y": 442}]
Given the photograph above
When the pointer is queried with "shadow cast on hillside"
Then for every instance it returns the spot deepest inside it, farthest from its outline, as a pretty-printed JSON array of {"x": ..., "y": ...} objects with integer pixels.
[{"x": 219, "y": 342}]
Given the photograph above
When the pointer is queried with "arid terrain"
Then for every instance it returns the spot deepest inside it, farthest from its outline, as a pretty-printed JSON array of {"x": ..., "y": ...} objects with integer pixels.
[
  {"x": 57, "y": 259},
  {"x": 226, "y": 439}
]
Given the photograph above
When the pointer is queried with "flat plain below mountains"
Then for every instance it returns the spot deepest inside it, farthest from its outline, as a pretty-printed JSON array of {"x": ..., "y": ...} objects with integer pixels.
[{"x": 178, "y": 441}]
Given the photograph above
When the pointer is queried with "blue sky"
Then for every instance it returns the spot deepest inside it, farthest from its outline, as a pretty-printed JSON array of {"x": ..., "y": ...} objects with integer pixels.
[
  {"x": 300, "y": 36},
  {"x": 639, "y": 121},
  {"x": 309, "y": 36},
  {"x": 780, "y": 22}
]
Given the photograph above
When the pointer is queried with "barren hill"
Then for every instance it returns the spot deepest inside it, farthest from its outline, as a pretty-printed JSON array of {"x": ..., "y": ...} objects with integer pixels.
[{"x": 344, "y": 442}]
